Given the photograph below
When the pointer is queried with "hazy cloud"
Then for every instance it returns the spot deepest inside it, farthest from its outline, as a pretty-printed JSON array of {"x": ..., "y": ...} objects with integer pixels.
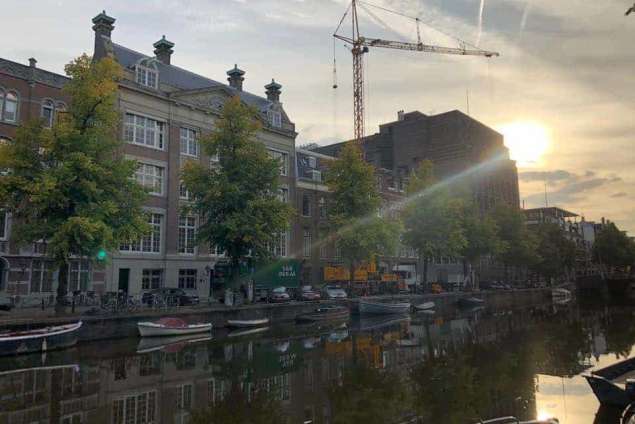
[
  {"x": 557, "y": 175},
  {"x": 618, "y": 195}
]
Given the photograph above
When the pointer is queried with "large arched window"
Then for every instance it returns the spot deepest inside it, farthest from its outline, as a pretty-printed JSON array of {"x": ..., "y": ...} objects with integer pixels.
[
  {"x": 147, "y": 74},
  {"x": 48, "y": 110},
  {"x": 8, "y": 106}
]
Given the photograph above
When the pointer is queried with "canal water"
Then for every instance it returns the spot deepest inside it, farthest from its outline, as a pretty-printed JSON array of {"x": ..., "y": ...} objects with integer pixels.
[{"x": 452, "y": 368}]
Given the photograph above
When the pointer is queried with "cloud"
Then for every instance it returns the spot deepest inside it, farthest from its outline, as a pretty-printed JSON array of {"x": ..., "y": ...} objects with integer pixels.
[
  {"x": 618, "y": 195},
  {"x": 557, "y": 175}
]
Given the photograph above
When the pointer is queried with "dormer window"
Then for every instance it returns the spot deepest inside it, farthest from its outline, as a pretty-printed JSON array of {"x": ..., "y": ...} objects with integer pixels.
[
  {"x": 275, "y": 118},
  {"x": 147, "y": 75}
]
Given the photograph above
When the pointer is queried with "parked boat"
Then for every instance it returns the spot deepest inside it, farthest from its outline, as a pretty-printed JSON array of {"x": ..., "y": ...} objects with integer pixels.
[
  {"x": 247, "y": 323},
  {"x": 39, "y": 340},
  {"x": 469, "y": 302},
  {"x": 367, "y": 307},
  {"x": 330, "y": 313},
  {"x": 248, "y": 332},
  {"x": 609, "y": 383},
  {"x": 171, "y": 327},
  {"x": 425, "y": 306}
]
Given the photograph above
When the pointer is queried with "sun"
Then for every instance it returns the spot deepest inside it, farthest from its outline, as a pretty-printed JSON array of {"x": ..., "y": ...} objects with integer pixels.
[{"x": 527, "y": 141}]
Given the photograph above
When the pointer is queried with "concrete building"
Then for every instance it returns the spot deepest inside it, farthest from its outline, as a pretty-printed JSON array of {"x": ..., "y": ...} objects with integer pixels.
[{"x": 457, "y": 145}]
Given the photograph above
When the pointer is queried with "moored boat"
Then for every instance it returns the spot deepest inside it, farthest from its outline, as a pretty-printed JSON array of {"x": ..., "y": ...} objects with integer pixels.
[
  {"x": 247, "y": 323},
  {"x": 468, "y": 302},
  {"x": 379, "y": 308},
  {"x": 426, "y": 306},
  {"x": 331, "y": 313},
  {"x": 247, "y": 332},
  {"x": 609, "y": 383},
  {"x": 39, "y": 340},
  {"x": 170, "y": 344},
  {"x": 171, "y": 327}
]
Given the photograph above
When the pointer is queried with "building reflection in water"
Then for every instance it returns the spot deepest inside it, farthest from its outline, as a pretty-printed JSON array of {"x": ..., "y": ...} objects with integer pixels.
[{"x": 443, "y": 369}]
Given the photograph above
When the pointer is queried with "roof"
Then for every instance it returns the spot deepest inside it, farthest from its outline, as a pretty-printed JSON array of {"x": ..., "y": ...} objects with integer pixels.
[
  {"x": 553, "y": 210},
  {"x": 183, "y": 79},
  {"x": 26, "y": 72}
]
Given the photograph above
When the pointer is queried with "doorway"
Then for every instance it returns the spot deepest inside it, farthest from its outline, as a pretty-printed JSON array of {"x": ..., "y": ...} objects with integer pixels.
[{"x": 124, "y": 279}]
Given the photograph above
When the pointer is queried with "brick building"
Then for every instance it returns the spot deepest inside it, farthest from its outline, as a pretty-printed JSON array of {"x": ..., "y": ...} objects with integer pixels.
[
  {"x": 26, "y": 93},
  {"x": 457, "y": 145}
]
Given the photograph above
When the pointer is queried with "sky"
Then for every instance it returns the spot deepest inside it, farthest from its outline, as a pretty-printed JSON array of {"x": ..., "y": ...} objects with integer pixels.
[{"x": 562, "y": 91}]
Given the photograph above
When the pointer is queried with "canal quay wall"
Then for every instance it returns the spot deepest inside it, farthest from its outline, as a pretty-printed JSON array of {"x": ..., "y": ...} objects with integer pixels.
[{"x": 104, "y": 327}]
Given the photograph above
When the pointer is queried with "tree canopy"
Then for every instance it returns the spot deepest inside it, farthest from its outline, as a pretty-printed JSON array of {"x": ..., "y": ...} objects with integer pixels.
[
  {"x": 68, "y": 185},
  {"x": 614, "y": 248},
  {"x": 555, "y": 252},
  {"x": 237, "y": 201}
]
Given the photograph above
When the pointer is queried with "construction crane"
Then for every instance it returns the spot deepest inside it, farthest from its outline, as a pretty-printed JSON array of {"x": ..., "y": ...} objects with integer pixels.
[{"x": 359, "y": 45}]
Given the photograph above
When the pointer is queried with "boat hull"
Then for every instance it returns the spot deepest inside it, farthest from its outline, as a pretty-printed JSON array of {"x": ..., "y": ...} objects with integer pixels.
[
  {"x": 375, "y": 308},
  {"x": 150, "y": 329},
  {"x": 425, "y": 306},
  {"x": 317, "y": 316},
  {"x": 60, "y": 337},
  {"x": 607, "y": 392},
  {"x": 237, "y": 323}
]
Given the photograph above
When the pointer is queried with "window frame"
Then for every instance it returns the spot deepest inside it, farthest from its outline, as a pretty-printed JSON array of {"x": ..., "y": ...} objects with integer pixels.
[
  {"x": 306, "y": 243},
  {"x": 135, "y": 124},
  {"x": 145, "y": 70},
  {"x": 83, "y": 268},
  {"x": 4, "y": 225},
  {"x": 191, "y": 140},
  {"x": 45, "y": 274},
  {"x": 186, "y": 237},
  {"x": 280, "y": 245},
  {"x": 306, "y": 201},
  {"x": 4, "y": 100},
  {"x": 284, "y": 163},
  {"x": 47, "y": 104},
  {"x": 152, "y": 240},
  {"x": 187, "y": 276},
  {"x": 153, "y": 177},
  {"x": 148, "y": 276}
]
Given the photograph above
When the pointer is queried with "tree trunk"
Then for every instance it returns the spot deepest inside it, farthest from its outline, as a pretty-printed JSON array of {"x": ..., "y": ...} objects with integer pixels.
[{"x": 62, "y": 284}]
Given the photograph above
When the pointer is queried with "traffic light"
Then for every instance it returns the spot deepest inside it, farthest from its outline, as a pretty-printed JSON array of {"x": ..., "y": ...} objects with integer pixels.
[{"x": 101, "y": 255}]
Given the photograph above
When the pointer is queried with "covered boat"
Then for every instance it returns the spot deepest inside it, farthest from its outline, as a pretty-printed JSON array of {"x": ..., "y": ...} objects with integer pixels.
[
  {"x": 329, "y": 313},
  {"x": 470, "y": 302},
  {"x": 247, "y": 323},
  {"x": 380, "y": 308},
  {"x": 426, "y": 306},
  {"x": 171, "y": 327},
  {"x": 609, "y": 384},
  {"x": 39, "y": 340}
]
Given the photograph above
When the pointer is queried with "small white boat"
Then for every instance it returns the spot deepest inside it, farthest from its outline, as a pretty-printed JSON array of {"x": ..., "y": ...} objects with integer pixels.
[
  {"x": 380, "y": 308},
  {"x": 425, "y": 306},
  {"x": 247, "y": 323},
  {"x": 248, "y": 332},
  {"x": 560, "y": 293},
  {"x": 171, "y": 327}
]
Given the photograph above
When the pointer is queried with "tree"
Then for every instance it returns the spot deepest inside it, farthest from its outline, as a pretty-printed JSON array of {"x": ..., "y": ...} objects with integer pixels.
[
  {"x": 237, "y": 201},
  {"x": 556, "y": 253},
  {"x": 360, "y": 233},
  {"x": 432, "y": 218},
  {"x": 69, "y": 185},
  {"x": 613, "y": 248},
  {"x": 519, "y": 245},
  {"x": 481, "y": 235}
]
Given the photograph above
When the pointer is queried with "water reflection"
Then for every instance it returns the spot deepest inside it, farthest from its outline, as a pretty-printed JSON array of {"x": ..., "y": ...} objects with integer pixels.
[{"x": 443, "y": 369}]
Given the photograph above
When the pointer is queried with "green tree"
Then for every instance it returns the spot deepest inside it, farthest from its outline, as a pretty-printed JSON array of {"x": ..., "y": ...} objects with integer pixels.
[
  {"x": 68, "y": 185},
  {"x": 360, "y": 233},
  {"x": 556, "y": 252},
  {"x": 237, "y": 201},
  {"x": 432, "y": 218},
  {"x": 481, "y": 235},
  {"x": 613, "y": 248},
  {"x": 519, "y": 245}
]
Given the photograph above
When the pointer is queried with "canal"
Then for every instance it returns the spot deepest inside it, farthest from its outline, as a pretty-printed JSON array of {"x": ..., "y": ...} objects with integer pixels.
[{"x": 452, "y": 368}]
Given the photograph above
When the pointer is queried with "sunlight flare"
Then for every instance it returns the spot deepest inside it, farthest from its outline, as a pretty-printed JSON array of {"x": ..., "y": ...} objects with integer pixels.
[{"x": 527, "y": 141}]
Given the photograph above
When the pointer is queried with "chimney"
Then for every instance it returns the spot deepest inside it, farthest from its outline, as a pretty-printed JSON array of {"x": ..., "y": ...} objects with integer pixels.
[
  {"x": 32, "y": 62},
  {"x": 400, "y": 115},
  {"x": 236, "y": 78},
  {"x": 103, "y": 27},
  {"x": 273, "y": 91},
  {"x": 163, "y": 50}
]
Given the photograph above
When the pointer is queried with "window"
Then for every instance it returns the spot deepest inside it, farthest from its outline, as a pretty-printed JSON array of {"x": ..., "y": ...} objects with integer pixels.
[
  {"x": 189, "y": 144},
  {"x": 4, "y": 225},
  {"x": 41, "y": 276},
  {"x": 151, "y": 177},
  {"x": 275, "y": 118},
  {"x": 322, "y": 207},
  {"x": 48, "y": 109},
  {"x": 283, "y": 194},
  {"x": 184, "y": 193},
  {"x": 324, "y": 248},
  {"x": 306, "y": 205},
  {"x": 143, "y": 131},
  {"x": 338, "y": 252},
  {"x": 147, "y": 75},
  {"x": 151, "y": 279},
  {"x": 283, "y": 158},
  {"x": 135, "y": 409},
  {"x": 79, "y": 275},
  {"x": 150, "y": 243},
  {"x": 8, "y": 106},
  {"x": 187, "y": 234},
  {"x": 278, "y": 247},
  {"x": 187, "y": 278},
  {"x": 184, "y": 396},
  {"x": 306, "y": 246}
]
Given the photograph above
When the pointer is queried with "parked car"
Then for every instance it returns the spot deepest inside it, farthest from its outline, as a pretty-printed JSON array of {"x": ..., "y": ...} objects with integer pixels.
[
  {"x": 334, "y": 292},
  {"x": 173, "y": 296},
  {"x": 279, "y": 294},
  {"x": 308, "y": 293}
]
